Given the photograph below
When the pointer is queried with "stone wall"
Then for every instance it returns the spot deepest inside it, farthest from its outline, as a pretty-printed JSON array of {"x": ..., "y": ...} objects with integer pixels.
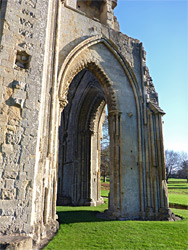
[{"x": 24, "y": 93}]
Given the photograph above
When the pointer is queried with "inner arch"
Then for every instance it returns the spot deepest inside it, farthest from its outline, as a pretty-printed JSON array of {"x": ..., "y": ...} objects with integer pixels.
[{"x": 79, "y": 136}]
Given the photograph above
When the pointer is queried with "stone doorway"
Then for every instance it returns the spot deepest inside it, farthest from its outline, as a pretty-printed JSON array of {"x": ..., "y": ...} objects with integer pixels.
[
  {"x": 114, "y": 87},
  {"x": 80, "y": 136}
]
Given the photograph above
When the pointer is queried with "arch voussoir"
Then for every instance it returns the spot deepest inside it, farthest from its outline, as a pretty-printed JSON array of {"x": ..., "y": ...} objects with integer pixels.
[{"x": 95, "y": 67}]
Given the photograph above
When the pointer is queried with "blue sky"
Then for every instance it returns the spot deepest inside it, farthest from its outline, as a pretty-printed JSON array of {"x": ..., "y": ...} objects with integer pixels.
[{"x": 162, "y": 27}]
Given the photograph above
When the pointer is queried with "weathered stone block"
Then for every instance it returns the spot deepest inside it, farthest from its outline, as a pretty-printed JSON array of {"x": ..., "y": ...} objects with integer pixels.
[
  {"x": 14, "y": 116},
  {"x": 28, "y": 165},
  {"x": 21, "y": 194},
  {"x": 2, "y": 129},
  {"x": 9, "y": 184},
  {"x": 22, "y": 176},
  {"x": 5, "y": 220},
  {"x": 8, "y": 194},
  {"x": 19, "y": 97},
  {"x": 11, "y": 128},
  {"x": 10, "y": 174},
  {"x": 13, "y": 137},
  {"x": 3, "y": 119},
  {"x": 1, "y": 92},
  {"x": 7, "y": 148},
  {"x": 8, "y": 212}
]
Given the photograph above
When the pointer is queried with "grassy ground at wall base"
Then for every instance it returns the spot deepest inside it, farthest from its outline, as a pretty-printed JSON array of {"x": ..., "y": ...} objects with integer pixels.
[{"x": 81, "y": 229}]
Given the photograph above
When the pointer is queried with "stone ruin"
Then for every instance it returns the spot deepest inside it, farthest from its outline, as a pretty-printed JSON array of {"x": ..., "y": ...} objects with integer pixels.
[{"x": 61, "y": 63}]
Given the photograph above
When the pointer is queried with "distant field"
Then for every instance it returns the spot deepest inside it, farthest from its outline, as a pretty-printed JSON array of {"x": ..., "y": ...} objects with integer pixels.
[
  {"x": 177, "y": 186},
  {"x": 105, "y": 187},
  {"x": 104, "y": 193},
  {"x": 178, "y": 191}
]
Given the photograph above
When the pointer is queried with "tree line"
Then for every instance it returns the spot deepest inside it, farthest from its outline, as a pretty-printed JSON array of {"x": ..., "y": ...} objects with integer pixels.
[{"x": 176, "y": 164}]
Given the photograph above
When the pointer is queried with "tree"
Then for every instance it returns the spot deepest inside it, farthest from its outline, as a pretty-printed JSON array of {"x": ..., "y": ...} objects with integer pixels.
[
  {"x": 105, "y": 163},
  {"x": 183, "y": 172},
  {"x": 105, "y": 151},
  {"x": 172, "y": 162},
  {"x": 176, "y": 164}
]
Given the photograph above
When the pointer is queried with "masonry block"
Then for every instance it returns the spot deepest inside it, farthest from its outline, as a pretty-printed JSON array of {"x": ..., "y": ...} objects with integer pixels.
[{"x": 8, "y": 193}]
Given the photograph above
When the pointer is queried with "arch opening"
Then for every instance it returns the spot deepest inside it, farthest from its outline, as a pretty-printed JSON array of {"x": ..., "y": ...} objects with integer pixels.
[
  {"x": 120, "y": 92},
  {"x": 80, "y": 135},
  {"x": 105, "y": 148}
]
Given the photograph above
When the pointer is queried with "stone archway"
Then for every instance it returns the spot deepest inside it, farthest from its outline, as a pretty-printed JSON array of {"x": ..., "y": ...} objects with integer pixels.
[
  {"x": 121, "y": 93},
  {"x": 80, "y": 129}
]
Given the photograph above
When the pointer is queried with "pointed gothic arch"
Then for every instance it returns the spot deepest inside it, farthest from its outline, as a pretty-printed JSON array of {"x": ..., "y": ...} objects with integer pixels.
[{"x": 86, "y": 56}]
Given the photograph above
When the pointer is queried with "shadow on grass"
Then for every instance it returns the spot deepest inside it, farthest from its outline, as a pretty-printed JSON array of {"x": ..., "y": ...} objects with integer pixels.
[
  {"x": 177, "y": 182},
  {"x": 68, "y": 217},
  {"x": 177, "y": 187}
]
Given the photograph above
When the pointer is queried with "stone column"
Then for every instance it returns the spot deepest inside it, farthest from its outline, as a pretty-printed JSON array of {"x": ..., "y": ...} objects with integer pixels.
[
  {"x": 149, "y": 167},
  {"x": 163, "y": 166},
  {"x": 62, "y": 104},
  {"x": 162, "y": 180},
  {"x": 85, "y": 190},
  {"x": 158, "y": 140},
  {"x": 115, "y": 207},
  {"x": 159, "y": 200},
  {"x": 149, "y": 210}
]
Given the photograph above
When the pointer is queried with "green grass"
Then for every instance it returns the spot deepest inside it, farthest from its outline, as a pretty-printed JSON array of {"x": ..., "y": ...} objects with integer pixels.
[
  {"x": 81, "y": 229},
  {"x": 105, "y": 187},
  {"x": 178, "y": 186},
  {"x": 178, "y": 199},
  {"x": 182, "y": 213},
  {"x": 178, "y": 191},
  {"x": 104, "y": 193}
]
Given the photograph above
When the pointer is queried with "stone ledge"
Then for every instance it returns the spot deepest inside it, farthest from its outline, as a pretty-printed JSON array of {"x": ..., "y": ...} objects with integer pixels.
[{"x": 15, "y": 242}]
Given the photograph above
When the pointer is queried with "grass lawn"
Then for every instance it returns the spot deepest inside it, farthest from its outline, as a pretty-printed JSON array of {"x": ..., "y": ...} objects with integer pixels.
[
  {"x": 177, "y": 186},
  {"x": 180, "y": 199},
  {"x": 104, "y": 193},
  {"x": 81, "y": 229},
  {"x": 178, "y": 191},
  {"x": 105, "y": 187}
]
